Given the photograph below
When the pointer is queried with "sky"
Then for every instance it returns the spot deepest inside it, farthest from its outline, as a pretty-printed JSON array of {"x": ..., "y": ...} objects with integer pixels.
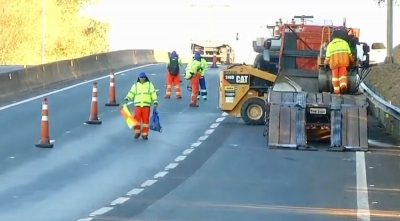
[{"x": 163, "y": 25}]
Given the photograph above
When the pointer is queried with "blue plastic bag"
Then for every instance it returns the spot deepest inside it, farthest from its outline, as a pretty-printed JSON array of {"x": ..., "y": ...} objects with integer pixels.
[{"x": 155, "y": 121}]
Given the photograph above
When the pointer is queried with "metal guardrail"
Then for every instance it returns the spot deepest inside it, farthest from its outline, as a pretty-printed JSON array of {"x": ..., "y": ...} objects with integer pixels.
[{"x": 379, "y": 102}]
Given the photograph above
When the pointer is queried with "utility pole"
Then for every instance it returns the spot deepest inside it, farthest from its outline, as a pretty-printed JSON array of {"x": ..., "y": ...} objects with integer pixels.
[
  {"x": 43, "y": 43},
  {"x": 389, "y": 33}
]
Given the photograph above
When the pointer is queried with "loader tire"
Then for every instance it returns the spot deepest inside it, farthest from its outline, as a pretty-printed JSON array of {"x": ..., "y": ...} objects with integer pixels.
[{"x": 253, "y": 111}]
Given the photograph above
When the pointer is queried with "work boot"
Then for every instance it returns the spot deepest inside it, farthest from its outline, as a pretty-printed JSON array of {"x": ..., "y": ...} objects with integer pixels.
[
  {"x": 137, "y": 136},
  {"x": 178, "y": 97},
  {"x": 343, "y": 89},
  {"x": 145, "y": 137},
  {"x": 167, "y": 97},
  {"x": 194, "y": 105},
  {"x": 198, "y": 97},
  {"x": 205, "y": 98}
]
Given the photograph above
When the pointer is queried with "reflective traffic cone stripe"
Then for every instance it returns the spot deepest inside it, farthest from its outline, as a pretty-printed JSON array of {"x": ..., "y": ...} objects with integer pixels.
[
  {"x": 93, "y": 118},
  {"x": 44, "y": 141},
  {"x": 111, "y": 95}
]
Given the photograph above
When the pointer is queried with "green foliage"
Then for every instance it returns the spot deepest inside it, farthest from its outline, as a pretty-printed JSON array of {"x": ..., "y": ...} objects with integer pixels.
[{"x": 67, "y": 33}]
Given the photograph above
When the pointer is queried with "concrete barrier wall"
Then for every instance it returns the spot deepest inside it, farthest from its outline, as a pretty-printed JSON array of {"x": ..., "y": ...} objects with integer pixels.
[{"x": 41, "y": 76}]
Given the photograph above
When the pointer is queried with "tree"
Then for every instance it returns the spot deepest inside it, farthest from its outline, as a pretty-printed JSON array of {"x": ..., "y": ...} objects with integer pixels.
[
  {"x": 383, "y": 2},
  {"x": 68, "y": 34}
]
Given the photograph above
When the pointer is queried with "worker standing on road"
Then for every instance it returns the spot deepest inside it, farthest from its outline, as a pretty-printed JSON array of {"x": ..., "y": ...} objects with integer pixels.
[
  {"x": 142, "y": 93},
  {"x": 202, "y": 81},
  {"x": 339, "y": 57},
  {"x": 173, "y": 76},
  {"x": 193, "y": 73}
]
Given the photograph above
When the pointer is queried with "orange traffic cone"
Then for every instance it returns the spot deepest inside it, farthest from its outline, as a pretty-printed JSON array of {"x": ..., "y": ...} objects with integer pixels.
[
  {"x": 111, "y": 100},
  {"x": 214, "y": 62},
  {"x": 94, "y": 108},
  {"x": 44, "y": 141}
]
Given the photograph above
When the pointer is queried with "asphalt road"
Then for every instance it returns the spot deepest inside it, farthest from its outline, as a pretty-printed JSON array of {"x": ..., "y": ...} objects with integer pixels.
[
  {"x": 90, "y": 166},
  {"x": 229, "y": 174},
  {"x": 233, "y": 176}
]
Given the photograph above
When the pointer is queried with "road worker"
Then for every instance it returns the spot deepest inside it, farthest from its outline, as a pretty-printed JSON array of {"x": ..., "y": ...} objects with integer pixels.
[
  {"x": 142, "y": 93},
  {"x": 193, "y": 73},
  {"x": 202, "y": 81},
  {"x": 173, "y": 76},
  {"x": 339, "y": 57}
]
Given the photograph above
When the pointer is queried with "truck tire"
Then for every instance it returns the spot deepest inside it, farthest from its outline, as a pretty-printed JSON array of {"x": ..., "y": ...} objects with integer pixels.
[{"x": 253, "y": 111}]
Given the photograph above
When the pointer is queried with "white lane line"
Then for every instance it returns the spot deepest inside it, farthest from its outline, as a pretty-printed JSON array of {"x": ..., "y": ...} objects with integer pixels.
[
  {"x": 101, "y": 211},
  {"x": 70, "y": 87},
  {"x": 187, "y": 151},
  {"x": 160, "y": 174},
  {"x": 209, "y": 131},
  {"x": 219, "y": 120},
  {"x": 214, "y": 125},
  {"x": 363, "y": 213},
  {"x": 180, "y": 158},
  {"x": 148, "y": 183},
  {"x": 171, "y": 166},
  {"x": 86, "y": 219},
  {"x": 203, "y": 138},
  {"x": 120, "y": 200},
  {"x": 135, "y": 191},
  {"x": 195, "y": 144}
]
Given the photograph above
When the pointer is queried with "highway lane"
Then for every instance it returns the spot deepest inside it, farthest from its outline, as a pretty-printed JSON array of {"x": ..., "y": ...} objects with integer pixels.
[
  {"x": 90, "y": 165},
  {"x": 234, "y": 176}
]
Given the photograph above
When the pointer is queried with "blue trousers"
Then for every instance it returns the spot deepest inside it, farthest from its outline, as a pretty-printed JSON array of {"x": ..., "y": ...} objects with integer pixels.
[{"x": 203, "y": 89}]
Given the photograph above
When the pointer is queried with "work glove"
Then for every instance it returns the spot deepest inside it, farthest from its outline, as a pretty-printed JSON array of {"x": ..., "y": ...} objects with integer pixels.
[{"x": 155, "y": 105}]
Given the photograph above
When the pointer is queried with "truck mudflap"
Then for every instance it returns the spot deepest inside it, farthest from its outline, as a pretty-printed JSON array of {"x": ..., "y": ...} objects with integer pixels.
[{"x": 291, "y": 115}]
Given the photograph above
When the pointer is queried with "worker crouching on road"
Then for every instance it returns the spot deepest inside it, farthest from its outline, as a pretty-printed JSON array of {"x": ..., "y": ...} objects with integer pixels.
[
  {"x": 142, "y": 93},
  {"x": 193, "y": 73},
  {"x": 173, "y": 76},
  {"x": 339, "y": 57},
  {"x": 202, "y": 81}
]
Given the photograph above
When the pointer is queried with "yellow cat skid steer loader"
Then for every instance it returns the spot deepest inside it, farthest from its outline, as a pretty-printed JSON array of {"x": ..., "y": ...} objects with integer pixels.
[{"x": 243, "y": 91}]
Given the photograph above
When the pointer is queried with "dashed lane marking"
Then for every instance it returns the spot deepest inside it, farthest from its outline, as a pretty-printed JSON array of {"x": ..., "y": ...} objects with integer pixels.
[
  {"x": 171, "y": 166},
  {"x": 148, "y": 183},
  {"x": 195, "y": 144},
  {"x": 135, "y": 191},
  {"x": 119, "y": 200},
  {"x": 101, "y": 211},
  {"x": 180, "y": 158},
  {"x": 160, "y": 174},
  {"x": 187, "y": 151}
]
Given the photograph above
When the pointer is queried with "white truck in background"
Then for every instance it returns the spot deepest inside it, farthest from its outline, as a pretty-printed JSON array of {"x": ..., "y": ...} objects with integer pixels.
[
  {"x": 211, "y": 37},
  {"x": 378, "y": 53}
]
